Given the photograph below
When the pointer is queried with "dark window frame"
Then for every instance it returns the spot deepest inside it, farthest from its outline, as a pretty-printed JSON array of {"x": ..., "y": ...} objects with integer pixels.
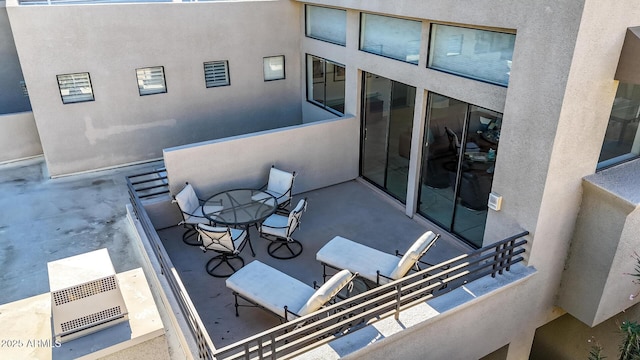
[
  {"x": 306, "y": 19},
  {"x": 228, "y": 73},
  {"x": 164, "y": 80},
  {"x": 324, "y": 71},
  {"x": 62, "y": 97},
  {"x": 465, "y": 76}
]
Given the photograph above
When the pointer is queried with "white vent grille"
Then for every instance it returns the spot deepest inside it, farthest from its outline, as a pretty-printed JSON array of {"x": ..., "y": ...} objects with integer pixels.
[
  {"x": 151, "y": 80},
  {"x": 85, "y": 295},
  {"x": 216, "y": 73},
  {"x": 75, "y": 87},
  {"x": 84, "y": 290},
  {"x": 92, "y": 319}
]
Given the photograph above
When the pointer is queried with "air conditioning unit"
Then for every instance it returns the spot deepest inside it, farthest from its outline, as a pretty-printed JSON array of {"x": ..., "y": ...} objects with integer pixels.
[{"x": 85, "y": 295}]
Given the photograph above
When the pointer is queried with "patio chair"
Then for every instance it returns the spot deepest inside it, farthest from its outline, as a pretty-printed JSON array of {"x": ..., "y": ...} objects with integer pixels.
[
  {"x": 279, "y": 185},
  {"x": 192, "y": 213},
  {"x": 373, "y": 265},
  {"x": 225, "y": 241},
  {"x": 288, "y": 298},
  {"x": 278, "y": 229}
]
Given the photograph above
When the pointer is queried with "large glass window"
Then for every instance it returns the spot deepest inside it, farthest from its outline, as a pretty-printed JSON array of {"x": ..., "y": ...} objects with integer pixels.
[
  {"x": 325, "y": 83},
  {"x": 461, "y": 144},
  {"x": 477, "y": 54},
  {"x": 622, "y": 139},
  {"x": 386, "y": 133},
  {"x": 326, "y": 24},
  {"x": 391, "y": 37}
]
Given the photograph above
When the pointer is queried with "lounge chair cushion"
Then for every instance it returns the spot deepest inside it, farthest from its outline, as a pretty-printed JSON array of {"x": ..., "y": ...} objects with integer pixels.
[
  {"x": 326, "y": 292},
  {"x": 343, "y": 253},
  {"x": 412, "y": 255},
  {"x": 270, "y": 288}
]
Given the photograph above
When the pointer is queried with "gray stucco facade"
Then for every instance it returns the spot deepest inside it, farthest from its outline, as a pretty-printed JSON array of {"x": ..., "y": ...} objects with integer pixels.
[{"x": 555, "y": 110}]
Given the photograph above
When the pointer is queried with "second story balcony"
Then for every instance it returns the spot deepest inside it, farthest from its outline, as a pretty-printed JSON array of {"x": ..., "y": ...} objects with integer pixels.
[{"x": 339, "y": 204}]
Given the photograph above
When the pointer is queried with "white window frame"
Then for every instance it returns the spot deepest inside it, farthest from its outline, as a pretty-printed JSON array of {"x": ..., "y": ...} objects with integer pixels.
[
  {"x": 216, "y": 73},
  {"x": 274, "y": 68},
  {"x": 75, "y": 87},
  {"x": 151, "y": 80}
]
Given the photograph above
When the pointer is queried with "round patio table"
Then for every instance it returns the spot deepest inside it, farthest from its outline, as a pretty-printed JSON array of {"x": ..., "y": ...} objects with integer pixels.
[{"x": 241, "y": 208}]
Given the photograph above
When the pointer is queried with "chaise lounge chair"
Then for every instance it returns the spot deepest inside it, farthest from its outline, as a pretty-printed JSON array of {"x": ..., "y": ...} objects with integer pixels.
[
  {"x": 263, "y": 286},
  {"x": 371, "y": 264}
]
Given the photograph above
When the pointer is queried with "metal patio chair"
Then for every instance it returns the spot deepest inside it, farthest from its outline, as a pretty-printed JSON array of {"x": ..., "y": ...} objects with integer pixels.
[
  {"x": 280, "y": 185},
  {"x": 228, "y": 243},
  {"x": 192, "y": 213},
  {"x": 278, "y": 229}
]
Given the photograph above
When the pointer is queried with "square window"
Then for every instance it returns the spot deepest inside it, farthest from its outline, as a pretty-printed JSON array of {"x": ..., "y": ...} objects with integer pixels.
[
  {"x": 75, "y": 88},
  {"x": 216, "y": 73},
  {"x": 151, "y": 80},
  {"x": 273, "y": 68}
]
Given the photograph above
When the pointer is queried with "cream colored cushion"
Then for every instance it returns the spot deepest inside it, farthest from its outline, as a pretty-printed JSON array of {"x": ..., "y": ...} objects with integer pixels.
[
  {"x": 414, "y": 254},
  {"x": 326, "y": 292}
]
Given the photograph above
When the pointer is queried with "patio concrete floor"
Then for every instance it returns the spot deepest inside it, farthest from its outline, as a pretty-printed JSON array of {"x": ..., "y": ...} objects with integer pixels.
[{"x": 353, "y": 210}]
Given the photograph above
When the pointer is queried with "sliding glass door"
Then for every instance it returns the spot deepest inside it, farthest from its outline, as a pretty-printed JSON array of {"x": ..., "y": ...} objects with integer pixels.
[
  {"x": 461, "y": 142},
  {"x": 386, "y": 133}
]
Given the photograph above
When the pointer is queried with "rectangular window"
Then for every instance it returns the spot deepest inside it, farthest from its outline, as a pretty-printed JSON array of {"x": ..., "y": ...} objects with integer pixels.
[
  {"x": 273, "y": 68},
  {"x": 75, "y": 88},
  {"x": 326, "y": 24},
  {"x": 216, "y": 73},
  {"x": 325, "y": 84},
  {"x": 478, "y": 54},
  {"x": 622, "y": 139},
  {"x": 151, "y": 80},
  {"x": 391, "y": 37}
]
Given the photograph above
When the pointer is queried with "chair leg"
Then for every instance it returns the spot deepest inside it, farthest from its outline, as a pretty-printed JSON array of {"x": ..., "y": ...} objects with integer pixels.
[
  {"x": 231, "y": 263},
  {"x": 190, "y": 237},
  {"x": 284, "y": 249}
]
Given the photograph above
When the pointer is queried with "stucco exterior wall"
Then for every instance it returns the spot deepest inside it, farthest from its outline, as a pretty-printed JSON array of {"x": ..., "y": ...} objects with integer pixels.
[
  {"x": 12, "y": 99},
  {"x": 556, "y": 109},
  {"x": 594, "y": 287},
  {"x": 18, "y": 137},
  {"x": 321, "y": 154},
  {"x": 111, "y": 40}
]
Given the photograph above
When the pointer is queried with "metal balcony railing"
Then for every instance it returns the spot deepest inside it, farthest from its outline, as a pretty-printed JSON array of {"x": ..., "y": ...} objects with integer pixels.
[
  {"x": 305, "y": 333},
  {"x": 148, "y": 185}
]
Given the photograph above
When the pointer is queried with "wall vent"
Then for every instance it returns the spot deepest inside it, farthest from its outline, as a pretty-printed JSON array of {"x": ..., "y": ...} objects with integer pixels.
[{"x": 85, "y": 295}]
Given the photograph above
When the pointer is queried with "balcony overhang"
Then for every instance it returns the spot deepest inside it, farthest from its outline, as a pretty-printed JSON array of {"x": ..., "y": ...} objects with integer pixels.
[{"x": 628, "y": 70}]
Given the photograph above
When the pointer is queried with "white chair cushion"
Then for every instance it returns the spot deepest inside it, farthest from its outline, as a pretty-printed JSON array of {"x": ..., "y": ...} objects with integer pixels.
[
  {"x": 187, "y": 199},
  {"x": 262, "y": 196},
  {"x": 326, "y": 292},
  {"x": 219, "y": 232},
  {"x": 275, "y": 225},
  {"x": 343, "y": 253},
  {"x": 197, "y": 218},
  {"x": 412, "y": 255},
  {"x": 279, "y": 181},
  {"x": 270, "y": 288}
]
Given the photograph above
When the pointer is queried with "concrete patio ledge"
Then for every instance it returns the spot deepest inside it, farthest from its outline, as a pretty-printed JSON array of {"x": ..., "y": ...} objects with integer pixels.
[
  {"x": 359, "y": 343},
  {"x": 27, "y": 333}
]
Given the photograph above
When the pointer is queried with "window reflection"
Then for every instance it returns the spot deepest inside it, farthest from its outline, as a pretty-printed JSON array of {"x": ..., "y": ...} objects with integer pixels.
[{"x": 622, "y": 139}]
